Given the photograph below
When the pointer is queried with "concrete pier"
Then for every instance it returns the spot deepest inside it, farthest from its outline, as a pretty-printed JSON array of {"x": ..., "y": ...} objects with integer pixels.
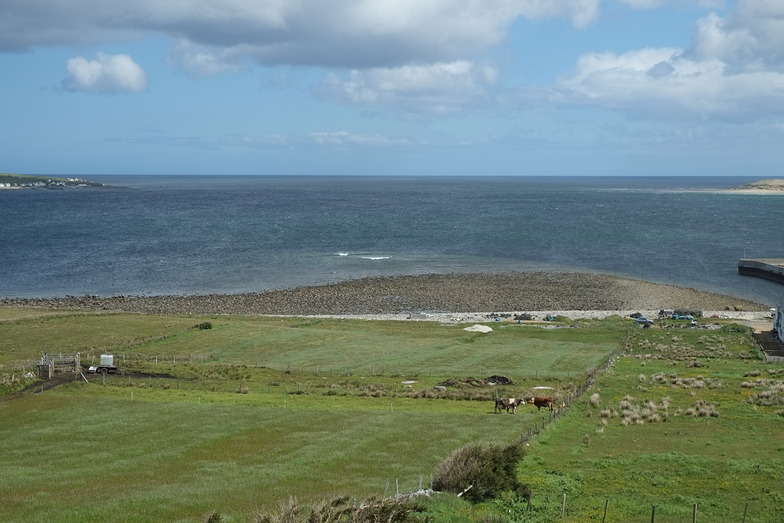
[{"x": 768, "y": 268}]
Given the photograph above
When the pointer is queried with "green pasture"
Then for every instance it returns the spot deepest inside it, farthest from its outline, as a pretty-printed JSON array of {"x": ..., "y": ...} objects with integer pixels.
[
  {"x": 308, "y": 345},
  {"x": 83, "y": 458},
  {"x": 239, "y": 416},
  {"x": 694, "y": 433}
]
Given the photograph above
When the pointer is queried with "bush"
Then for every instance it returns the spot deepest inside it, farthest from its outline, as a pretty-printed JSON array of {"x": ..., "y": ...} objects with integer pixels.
[
  {"x": 481, "y": 473},
  {"x": 596, "y": 400},
  {"x": 342, "y": 510}
]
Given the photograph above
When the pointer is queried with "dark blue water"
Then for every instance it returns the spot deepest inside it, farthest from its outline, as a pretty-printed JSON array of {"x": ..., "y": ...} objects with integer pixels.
[{"x": 186, "y": 235}]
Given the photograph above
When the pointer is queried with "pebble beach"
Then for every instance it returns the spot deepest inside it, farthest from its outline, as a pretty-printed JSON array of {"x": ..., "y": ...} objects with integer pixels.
[{"x": 572, "y": 294}]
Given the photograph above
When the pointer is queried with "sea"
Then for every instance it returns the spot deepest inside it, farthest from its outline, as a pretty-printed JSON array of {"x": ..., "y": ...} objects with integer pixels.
[{"x": 184, "y": 235}]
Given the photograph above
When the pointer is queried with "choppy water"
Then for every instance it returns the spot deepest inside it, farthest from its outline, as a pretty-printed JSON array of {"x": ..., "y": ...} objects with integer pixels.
[{"x": 186, "y": 235}]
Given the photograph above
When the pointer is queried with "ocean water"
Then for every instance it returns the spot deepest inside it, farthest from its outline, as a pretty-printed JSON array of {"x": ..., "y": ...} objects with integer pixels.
[{"x": 152, "y": 235}]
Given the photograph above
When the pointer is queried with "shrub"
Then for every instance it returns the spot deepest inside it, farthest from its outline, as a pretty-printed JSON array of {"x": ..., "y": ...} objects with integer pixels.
[
  {"x": 632, "y": 413},
  {"x": 766, "y": 398},
  {"x": 342, "y": 510},
  {"x": 596, "y": 400},
  {"x": 703, "y": 409},
  {"x": 387, "y": 510},
  {"x": 480, "y": 473},
  {"x": 288, "y": 512}
]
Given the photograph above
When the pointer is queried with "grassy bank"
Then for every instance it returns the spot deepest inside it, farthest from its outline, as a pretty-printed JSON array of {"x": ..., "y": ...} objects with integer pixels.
[{"x": 250, "y": 411}]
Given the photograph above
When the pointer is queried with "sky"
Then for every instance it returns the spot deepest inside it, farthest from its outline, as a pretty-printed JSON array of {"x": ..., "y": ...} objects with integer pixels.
[{"x": 393, "y": 87}]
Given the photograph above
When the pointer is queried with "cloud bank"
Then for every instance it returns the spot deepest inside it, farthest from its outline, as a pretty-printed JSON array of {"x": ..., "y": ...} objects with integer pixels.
[
  {"x": 323, "y": 33},
  {"x": 733, "y": 70},
  {"x": 422, "y": 56}
]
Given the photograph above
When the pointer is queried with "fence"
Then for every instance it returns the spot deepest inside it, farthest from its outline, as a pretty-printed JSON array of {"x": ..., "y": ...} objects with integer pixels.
[
  {"x": 49, "y": 364},
  {"x": 606, "y": 511},
  {"x": 582, "y": 389}
]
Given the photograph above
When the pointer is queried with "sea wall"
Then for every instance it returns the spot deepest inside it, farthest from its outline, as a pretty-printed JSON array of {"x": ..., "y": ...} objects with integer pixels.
[{"x": 767, "y": 268}]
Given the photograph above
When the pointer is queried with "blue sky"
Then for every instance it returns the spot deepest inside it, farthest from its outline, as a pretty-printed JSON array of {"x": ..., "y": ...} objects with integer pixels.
[{"x": 393, "y": 87}]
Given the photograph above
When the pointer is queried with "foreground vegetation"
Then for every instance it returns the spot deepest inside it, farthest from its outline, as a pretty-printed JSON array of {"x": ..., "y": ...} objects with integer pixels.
[{"x": 249, "y": 419}]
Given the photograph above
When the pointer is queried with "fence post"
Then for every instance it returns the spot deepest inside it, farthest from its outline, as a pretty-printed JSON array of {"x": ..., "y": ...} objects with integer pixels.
[
  {"x": 563, "y": 507},
  {"x": 606, "y": 503},
  {"x": 653, "y": 513},
  {"x": 745, "y": 510},
  {"x": 694, "y": 513}
]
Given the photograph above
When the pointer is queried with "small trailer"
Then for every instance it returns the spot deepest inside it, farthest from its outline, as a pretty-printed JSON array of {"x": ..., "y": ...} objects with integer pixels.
[{"x": 106, "y": 366}]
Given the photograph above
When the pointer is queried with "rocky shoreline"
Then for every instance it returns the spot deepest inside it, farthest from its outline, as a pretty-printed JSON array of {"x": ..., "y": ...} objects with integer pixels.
[{"x": 430, "y": 293}]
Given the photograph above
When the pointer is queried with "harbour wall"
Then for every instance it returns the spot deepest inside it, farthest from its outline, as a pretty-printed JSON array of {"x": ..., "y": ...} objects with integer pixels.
[{"x": 768, "y": 268}]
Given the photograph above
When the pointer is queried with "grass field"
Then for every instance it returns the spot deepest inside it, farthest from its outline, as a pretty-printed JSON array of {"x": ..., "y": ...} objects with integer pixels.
[
  {"x": 678, "y": 421},
  {"x": 242, "y": 415}
]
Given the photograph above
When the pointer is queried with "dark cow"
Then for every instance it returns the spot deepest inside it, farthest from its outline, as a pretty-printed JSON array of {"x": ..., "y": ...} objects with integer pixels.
[
  {"x": 507, "y": 403},
  {"x": 541, "y": 402}
]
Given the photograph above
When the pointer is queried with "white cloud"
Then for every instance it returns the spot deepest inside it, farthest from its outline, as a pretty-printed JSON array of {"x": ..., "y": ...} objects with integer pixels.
[
  {"x": 751, "y": 38},
  {"x": 107, "y": 74},
  {"x": 199, "y": 60},
  {"x": 439, "y": 87},
  {"x": 664, "y": 83},
  {"x": 346, "y": 139},
  {"x": 734, "y": 70},
  {"x": 651, "y": 4}
]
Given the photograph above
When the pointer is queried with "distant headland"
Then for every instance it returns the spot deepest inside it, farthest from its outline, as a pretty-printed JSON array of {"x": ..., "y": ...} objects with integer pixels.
[
  {"x": 761, "y": 187},
  {"x": 22, "y": 181}
]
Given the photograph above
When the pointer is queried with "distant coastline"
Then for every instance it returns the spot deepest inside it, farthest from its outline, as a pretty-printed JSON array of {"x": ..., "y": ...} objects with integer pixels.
[
  {"x": 21, "y": 181},
  {"x": 773, "y": 186}
]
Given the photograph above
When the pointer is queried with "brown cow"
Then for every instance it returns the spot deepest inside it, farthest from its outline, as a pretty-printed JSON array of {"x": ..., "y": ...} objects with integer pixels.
[
  {"x": 507, "y": 403},
  {"x": 541, "y": 402}
]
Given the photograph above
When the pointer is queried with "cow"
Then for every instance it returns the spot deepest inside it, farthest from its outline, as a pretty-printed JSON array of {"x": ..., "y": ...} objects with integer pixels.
[
  {"x": 541, "y": 402},
  {"x": 507, "y": 403}
]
